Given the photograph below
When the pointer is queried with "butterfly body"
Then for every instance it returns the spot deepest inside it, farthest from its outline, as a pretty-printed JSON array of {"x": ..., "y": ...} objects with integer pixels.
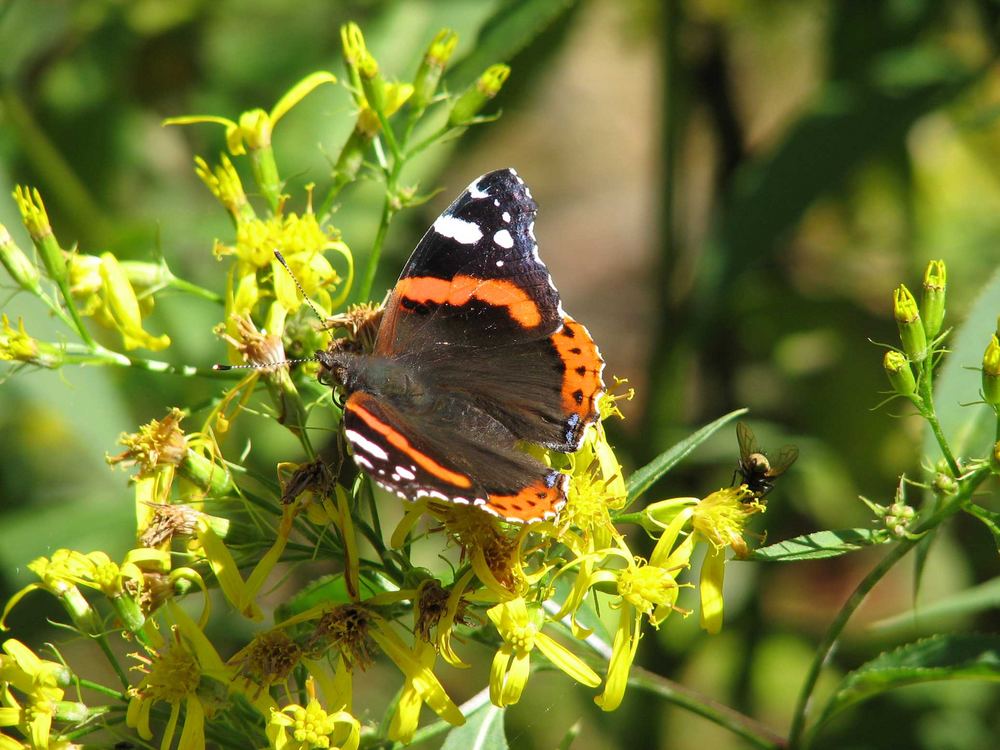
[{"x": 473, "y": 356}]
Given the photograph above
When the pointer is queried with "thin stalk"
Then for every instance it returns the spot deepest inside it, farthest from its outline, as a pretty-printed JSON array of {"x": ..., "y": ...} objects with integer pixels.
[
  {"x": 102, "y": 641},
  {"x": 77, "y": 354},
  {"x": 368, "y": 280},
  {"x": 198, "y": 291},
  {"x": 103, "y": 689},
  {"x": 927, "y": 412},
  {"x": 749, "y": 729},
  {"x": 967, "y": 487}
]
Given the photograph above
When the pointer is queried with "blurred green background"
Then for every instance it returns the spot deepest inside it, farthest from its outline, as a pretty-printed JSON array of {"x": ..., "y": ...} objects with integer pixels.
[{"x": 728, "y": 193}]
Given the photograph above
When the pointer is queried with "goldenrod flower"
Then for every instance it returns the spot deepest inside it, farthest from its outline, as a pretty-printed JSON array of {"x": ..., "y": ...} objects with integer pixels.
[
  {"x": 17, "y": 345},
  {"x": 39, "y": 684},
  {"x": 159, "y": 443},
  {"x": 114, "y": 304},
  {"x": 175, "y": 674},
  {"x": 224, "y": 182},
  {"x": 253, "y": 131},
  {"x": 719, "y": 520},
  {"x": 521, "y": 631},
  {"x": 421, "y": 686},
  {"x": 295, "y": 727}
]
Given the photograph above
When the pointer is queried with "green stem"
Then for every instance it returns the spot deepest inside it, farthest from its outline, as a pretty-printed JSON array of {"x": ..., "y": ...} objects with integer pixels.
[
  {"x": 198, "y": 291},
  {"x": 368, "y": 280},
  {"x": 966, "y": 488},
  {"x": 927, "y": 412},
  {"x": 103, "y": 689},
  {"x": 749, "y": 729},
  {"x": 102, "y": 641},
  {"x": 76, "y": 354}
]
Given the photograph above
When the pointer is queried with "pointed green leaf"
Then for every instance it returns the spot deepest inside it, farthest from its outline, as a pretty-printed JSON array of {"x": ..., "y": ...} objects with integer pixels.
[
  {"x": 643, "y": 478},
  {"x": 990, "y": 518},
  {"x": 818, "y": 545},
  {"x": 985, "y": 596},
  {"x": 331, "y": 588},
  {"x": 482, "y": 731},
  {"x": 940, "y": 657}
]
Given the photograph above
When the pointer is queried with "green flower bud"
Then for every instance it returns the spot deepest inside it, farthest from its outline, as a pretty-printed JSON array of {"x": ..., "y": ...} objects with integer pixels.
[
  {"x": 932, "y": 302},
  {"x": 475, "y": 97},
  {"x": 18, "y": 265},
  {"x": 911, "y": 330},
  {"x": 425, "y": 82},
  {"x": 897, "y": 367},
  {"x": 36, "y": 221},
  {"x": 991, "y": 373}
]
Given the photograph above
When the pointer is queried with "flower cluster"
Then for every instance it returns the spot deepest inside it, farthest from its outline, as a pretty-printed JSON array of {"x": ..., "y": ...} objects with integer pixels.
[{"x": 532, "y": 594}]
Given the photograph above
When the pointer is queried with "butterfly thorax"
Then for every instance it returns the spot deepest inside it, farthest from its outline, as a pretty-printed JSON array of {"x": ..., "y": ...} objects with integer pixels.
[{"x": 380, "y": 376}]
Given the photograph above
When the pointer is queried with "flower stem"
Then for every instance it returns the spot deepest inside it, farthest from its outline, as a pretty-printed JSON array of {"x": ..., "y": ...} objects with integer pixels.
[
  {"x": 749, "y": 729},
  {"x": 927, "y": 412},
  {"x": 967, "y": 486},
  {"x": 103, "y": 689}
]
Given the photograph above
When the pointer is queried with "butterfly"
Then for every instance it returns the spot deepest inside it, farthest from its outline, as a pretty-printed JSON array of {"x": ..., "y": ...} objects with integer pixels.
[{"x": 473, "y": 356}]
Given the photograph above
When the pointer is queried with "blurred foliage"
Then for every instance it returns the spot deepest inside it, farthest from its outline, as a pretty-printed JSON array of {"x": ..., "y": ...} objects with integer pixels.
[{"x": 810, "y": 155}]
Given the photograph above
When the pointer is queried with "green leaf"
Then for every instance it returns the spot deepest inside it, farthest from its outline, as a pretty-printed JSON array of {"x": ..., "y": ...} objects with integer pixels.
[
  {"x": 989, "y": 518},
  {"x": 513, "y": 28},
  {"x": 981, "y": 598},
  {"x": 940, "y": 657},
  {"x": 482, "y": 731},
  {"x": 643, "y": 478},
  {"x": 819, "y": 544}
]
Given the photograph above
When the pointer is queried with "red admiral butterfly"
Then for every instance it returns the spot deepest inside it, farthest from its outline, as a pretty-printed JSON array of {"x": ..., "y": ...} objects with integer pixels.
[{"x": 472, "y": 355}]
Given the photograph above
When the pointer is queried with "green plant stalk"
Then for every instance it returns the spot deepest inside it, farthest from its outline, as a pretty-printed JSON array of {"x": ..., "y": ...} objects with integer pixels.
[
  {"x": 102, "y": 641},
  {"x": 926, "y": 406},
  {"x": 967, "y": 486},
  {"x": 749, "y": 729},
  {"x": 75, "y": 354},
  {"x": 102, "y": 689}
]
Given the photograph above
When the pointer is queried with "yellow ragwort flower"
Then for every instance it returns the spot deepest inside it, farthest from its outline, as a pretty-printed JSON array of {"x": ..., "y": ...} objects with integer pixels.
[
  {"x": 177, "y": 673},
  {"x": 40, "y": 685},
  {"x": 719, "y": 520},
  {"x": 16, "y": 345},
  {"x": 521, "y": 630},
  {"x": 310, "y": 727}
]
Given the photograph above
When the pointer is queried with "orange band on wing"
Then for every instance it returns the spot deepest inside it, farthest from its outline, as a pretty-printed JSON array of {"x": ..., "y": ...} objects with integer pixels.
[
  {"x": 530, "y": 504},
  {"x": 398, "y": 440},
  {"x": 460, "y": 289},
  {"x": 583, "y": 362}
]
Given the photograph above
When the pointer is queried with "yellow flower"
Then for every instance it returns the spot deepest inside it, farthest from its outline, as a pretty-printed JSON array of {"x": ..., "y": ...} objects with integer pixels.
[
  {"x": 719, "y": 520},
  {"x": 253, "y": 131},
  {"x": 176, "y": 674},
  {"x": 224, "y": 182},
  {"x": 295, "y": 727},
  {"x": 647, "y": 589},
  {"x": 521, "y": 632},
  {"x": 58, "y": 576},
  {"x": 17, "y": 345},
  {"x": 420, "y": 686},
  {"x": 115, "y": 304},
  {"x": 40, "y": 683}
]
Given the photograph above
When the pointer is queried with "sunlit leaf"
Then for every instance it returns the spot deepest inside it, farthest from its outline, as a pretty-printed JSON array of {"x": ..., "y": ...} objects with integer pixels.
[
  {"x": 981, "y": 598},
  {"x": 818, "y": 545},
  {"x": 482, "y": 731}
]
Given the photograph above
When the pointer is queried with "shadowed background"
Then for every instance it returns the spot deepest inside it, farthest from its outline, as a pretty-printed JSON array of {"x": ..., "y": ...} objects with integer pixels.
[{"x": 728, "y": 193}]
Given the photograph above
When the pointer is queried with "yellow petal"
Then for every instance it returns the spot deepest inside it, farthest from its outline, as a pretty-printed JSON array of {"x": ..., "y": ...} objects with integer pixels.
[
  {"x": 566, "y": 660},
  {"x": 498, "y": 673},
  {"x": 623, "y": 652},
  {"x": 712, "y": 572},
  {"x": 299, "y": 91},
  {"x": 517, "y": 678},
  {"x": 193, "y": 734}
]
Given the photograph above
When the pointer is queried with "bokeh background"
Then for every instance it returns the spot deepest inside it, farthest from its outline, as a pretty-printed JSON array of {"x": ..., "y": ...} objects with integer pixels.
[{"x": 729, "y": 191}]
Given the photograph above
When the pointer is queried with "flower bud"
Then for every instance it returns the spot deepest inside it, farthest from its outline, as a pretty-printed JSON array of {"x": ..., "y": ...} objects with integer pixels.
[
  {"x": 18, "y": 265},
  {"x": 475, "y": 97},
  {"x": 911, "y": 330},
  {"x": 425, "y": 82},
  {"x": 991, "y": 373},
  {"x": 900, "y": 375},
  {"x": 932, "y": 302},
  {"x": 36, "y": 221}
]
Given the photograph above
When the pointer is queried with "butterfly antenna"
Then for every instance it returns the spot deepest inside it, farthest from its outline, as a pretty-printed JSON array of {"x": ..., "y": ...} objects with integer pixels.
[
  {"x": 264, "y": 365},
  {"x": 281, "y": 260}
]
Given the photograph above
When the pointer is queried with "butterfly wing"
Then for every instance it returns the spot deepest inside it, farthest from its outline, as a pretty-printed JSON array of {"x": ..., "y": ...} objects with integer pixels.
[
  {"x": 457, "y": 454},
  {"x": 475, "y": 308}
]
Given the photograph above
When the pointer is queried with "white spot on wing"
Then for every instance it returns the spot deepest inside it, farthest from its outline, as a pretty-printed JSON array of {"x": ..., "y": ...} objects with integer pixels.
[
  {"x": 499, "y": 264},
  {"x": 464, "y": 232},
  {"x": 360, "y": 441},
  {"x": 531, "y": 231},
  {"x": 505, "y": 216},
  {"x": 475, "y": 193},
  {"x": 503, "y": 239},
  {"x": 405, "y": 473},
  {"x": 496, "y": 202},
  {"x": 363, "y": 462}
]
